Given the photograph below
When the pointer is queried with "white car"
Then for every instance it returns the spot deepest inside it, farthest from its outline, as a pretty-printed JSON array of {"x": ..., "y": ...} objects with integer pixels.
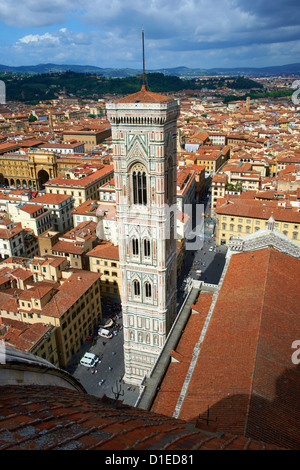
[
  {"x": 89, "y": 360},
  {"x": 105, "y": 333},
  {"x": 211, "y": 248}
]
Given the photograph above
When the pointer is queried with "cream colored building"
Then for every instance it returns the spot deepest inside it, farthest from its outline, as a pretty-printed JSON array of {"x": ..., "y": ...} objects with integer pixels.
[
  {"x": 11, "y": 239},
  {"x": 60, "y": 207},
  {"x": 49, "y": 268},
  {"x": 34, "y": 217}
]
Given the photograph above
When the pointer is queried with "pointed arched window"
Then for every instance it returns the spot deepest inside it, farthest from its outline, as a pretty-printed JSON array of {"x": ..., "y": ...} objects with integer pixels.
[
  {"x": 139, "y": 185},
  {"x": 147, "y": 248},
  {"x": 136, "y": 288},
  {"x": 148, "y": 290},
  {"x": 135, "y": 246}
]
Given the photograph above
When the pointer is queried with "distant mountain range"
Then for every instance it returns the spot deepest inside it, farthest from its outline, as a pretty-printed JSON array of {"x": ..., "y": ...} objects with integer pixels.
[{"x": 290, "y": 69}]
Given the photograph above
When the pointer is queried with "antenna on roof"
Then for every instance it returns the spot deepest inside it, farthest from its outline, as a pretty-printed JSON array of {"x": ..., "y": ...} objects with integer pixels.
[{"x": 144, "y": 75}]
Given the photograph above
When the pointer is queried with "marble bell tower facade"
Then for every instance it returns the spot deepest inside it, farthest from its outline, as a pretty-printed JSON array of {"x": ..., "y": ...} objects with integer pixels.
[{"x": 144, "y": 135}]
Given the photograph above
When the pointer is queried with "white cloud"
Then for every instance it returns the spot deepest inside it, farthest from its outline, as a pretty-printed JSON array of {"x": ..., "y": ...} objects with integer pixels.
[{"x": 38, "y": 38}]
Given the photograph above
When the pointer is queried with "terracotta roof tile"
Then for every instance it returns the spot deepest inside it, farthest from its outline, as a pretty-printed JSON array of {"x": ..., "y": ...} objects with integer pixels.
[
  {"x": 245, "y": 358},
  {"x": 105, "y": 250},
  {"x": 51, "y": 418},
  {"x": 144, "y": 96}
]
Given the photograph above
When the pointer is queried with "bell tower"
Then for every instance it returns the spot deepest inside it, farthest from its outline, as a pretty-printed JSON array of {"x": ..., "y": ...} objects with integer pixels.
[{"x": 144, "y": 134}]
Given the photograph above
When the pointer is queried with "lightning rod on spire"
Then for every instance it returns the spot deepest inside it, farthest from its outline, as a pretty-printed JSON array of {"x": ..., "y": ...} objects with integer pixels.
[{"x": 144, "y": 74}]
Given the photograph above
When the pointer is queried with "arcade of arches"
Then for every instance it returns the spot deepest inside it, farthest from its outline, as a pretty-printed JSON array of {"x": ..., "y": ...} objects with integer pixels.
[
  {"x": 31, "y": 171},
  {"x": 24, "y": 181}
]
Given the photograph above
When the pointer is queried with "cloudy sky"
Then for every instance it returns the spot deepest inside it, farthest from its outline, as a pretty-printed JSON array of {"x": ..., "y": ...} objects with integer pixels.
[{"x": 191, "y": 33}]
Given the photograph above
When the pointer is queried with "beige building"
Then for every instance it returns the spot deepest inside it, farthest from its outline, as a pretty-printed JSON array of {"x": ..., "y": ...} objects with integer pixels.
[
  {"x": 72, "y": 307},
  {"x": 218, "y": 187},
  {"x": 39, "y": 268},
  {"x": 89, "y": 136},
  {"x": 28, "y": 170},
  {"x": 33, "y": 168},
  {"x": 60, "y": 207},
  {"x": 241, "y": 175},
  {"x": 104, "y": 259},
  {"x": 48, "y": 268}
]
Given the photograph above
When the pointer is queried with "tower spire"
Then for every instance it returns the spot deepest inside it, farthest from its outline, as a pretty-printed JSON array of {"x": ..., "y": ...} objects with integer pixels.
[{"x": 144, "y": 74}]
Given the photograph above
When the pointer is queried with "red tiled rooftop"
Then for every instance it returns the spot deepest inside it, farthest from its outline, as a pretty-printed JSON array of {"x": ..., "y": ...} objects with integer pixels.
[
  {"x": 260, "y": 209},
  {"x": 22, "y": 335},
  {"x": 31, "y": 209},
  {"x": 53, "y": 418},
  {"x": 51, "y": 198},
  {"x": 105, "y": 250},
  {"x": 82, "y": 182},
  {"x": 244, "y": 371},
  {"x": 167, "y": 397},
  {"x": 70, "y": 291}
]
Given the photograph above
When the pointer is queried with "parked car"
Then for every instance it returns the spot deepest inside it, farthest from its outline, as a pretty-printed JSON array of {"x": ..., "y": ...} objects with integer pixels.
[
  {"x": 106, "y": 323},
  {"x": 89, "y": 360},
  {"x": 105, "y": 333}
]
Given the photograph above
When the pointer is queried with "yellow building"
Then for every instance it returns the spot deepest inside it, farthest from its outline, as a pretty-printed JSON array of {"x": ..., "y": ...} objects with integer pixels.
[
  {"x": 104, "y": 259},
  {"x": 212, "y": 157},
  {"x": 73, "y": 307},
  {"x": 33, "y": 168},
  {"x": 236, "y": 216},
  {"x": 28, "y": 170}
]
